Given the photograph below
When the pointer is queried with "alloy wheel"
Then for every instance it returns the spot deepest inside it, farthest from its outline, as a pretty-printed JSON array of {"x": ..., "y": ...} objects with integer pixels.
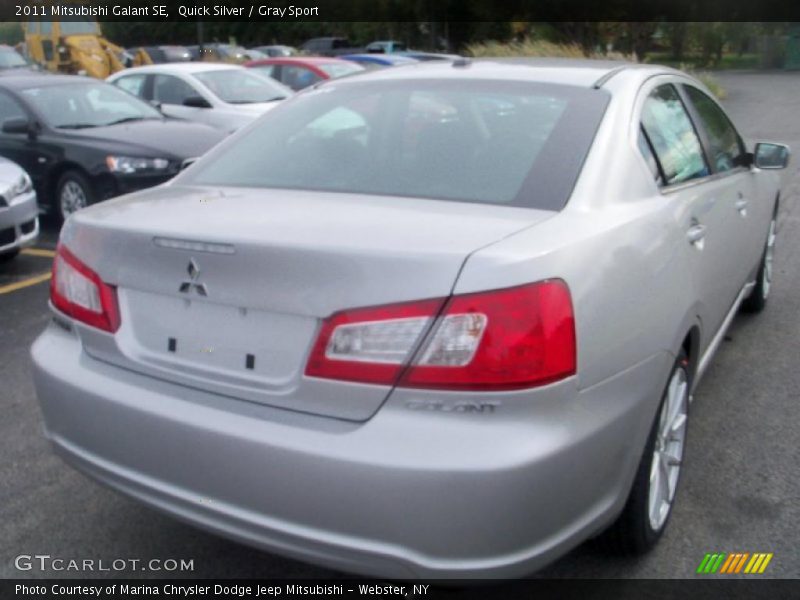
[
  {"x": 668, "y": 449},
  {"x": 73, "y": 198}
]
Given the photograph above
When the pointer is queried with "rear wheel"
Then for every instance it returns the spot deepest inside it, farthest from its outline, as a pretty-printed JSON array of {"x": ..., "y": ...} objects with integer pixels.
[
  {"x": 73, "y": 192},
  {"x": 757, "y": 299},
  {"x": 649, "y": 505}
]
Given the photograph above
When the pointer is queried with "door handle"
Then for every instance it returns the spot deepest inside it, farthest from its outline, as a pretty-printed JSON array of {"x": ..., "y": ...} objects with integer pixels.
[
  {"x": 741, "y": 206},
  {"x": 696, "y": 234}
]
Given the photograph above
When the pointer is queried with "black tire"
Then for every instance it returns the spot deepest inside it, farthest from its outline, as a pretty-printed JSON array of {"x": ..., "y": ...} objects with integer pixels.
[
  {"x": 633, "y": 532},
  {"x": 9, "y": 256},
  {"x": 72, "y": 185},
  {"x": 757, "y": 299}
]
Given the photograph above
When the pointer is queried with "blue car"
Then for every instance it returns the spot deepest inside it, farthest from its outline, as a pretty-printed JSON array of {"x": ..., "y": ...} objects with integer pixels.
[{"x": 379, "y": 60}]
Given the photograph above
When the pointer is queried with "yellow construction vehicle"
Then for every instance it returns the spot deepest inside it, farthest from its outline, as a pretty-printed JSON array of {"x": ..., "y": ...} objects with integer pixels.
[{"x": 77, "y": 47}]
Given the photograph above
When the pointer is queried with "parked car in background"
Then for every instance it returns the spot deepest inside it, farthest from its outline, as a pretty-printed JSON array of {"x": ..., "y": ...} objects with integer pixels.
[
  {"x": 220, "y": 95},
  {"x": 19, "y": 213},
  {"x": 226, "y": 53},
  {"x": 298, "y": 72},
  {"x": 275, "y": 50},
  {"x": 168, "y": 54},
  {"x": 11, "y": 60},
  {"x": 329, "y": 46},
  {"x": 83, "y": 141},
  {"x": 255, "y": 55},
  {"x": 386, "y": 47},
  {"x": 373, "y": 61},
  {"x": 426, "y": 56},
  {"x": 457, "y": 349}
]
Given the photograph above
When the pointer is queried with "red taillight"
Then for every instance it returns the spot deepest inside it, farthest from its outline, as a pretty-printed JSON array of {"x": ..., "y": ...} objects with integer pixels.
[
  {"x": 502, "y": 339},
  {"x": 78, "y": 292},
  {"x": 371, "y": 345}
]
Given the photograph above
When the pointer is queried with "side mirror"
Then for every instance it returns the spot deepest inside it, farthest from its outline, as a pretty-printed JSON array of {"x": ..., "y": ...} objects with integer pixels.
[
  {"x": 196, "y": 102},
  {"x": 18, "y": 125},
  {"x": 155, "y": 104},
  {"x": 771, "y": 156}
]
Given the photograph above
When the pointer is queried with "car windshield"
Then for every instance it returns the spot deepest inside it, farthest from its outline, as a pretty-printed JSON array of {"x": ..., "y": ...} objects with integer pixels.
[
  {"x": 334, "y": 70},
  {"x": 479, "y": 141},
  {"x": 11, "y": 59},
  {"x": 82, "y": 105},
  {"x": 239, "y": 86}
]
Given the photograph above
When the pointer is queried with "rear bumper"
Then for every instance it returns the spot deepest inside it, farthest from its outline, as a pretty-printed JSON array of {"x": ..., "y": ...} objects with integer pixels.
[
  {"x": 19, "y": 223},
  {"x": 409, "y": 493}
]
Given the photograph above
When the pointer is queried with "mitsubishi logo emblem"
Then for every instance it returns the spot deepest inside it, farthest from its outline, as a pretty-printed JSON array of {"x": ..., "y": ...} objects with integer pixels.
[{"x": 193, "y": 284}]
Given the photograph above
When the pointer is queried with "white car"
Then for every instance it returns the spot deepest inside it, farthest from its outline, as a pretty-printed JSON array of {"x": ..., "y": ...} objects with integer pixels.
[
  {"x": 221, "y": 95},
  {"x": 19, "y": 213}
]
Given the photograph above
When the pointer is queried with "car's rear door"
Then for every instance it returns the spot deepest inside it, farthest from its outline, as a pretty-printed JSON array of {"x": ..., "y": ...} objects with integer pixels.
[
  {"x": 727, "y": 158},
  {"x": 701, "y": 210}
]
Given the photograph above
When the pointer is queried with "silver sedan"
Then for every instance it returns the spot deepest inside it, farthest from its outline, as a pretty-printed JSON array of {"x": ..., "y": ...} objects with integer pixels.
[
  {"x": 19, "y": 213},
  {"x": 438, "y": 321},
  {"x": 221, "y": 95}
]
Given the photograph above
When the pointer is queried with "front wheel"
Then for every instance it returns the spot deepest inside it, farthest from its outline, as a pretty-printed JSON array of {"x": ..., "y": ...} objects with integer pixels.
[
  {"x": 650, "y": 503},
  {"x": 73, "y": 192},
  {"x": 757, "y": 299},
  {"x": 9, "y": 256}
]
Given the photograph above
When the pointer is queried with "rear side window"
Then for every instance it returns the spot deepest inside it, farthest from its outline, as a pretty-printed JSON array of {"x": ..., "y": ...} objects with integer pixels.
[
  {"x": 650, "y": 158},
  {"x": 494, "y": 142},
  {"x": 672, "y": 136},
  {"x": 724, "y": 144},
  {"x": 133, "y": 84},
  {"x": 171, "y": 90}
]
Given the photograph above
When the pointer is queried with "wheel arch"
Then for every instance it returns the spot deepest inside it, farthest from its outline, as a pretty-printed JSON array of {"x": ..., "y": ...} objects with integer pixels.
[{"x": 691, "y": 346}]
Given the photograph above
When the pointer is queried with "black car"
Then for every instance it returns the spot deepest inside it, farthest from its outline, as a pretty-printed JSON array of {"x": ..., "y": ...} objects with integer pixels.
[{"x": 83, "y": 140}]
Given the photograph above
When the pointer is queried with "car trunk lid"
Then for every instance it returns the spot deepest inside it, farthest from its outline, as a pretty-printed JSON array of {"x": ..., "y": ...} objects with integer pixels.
[{"x": 225, "y": 289}]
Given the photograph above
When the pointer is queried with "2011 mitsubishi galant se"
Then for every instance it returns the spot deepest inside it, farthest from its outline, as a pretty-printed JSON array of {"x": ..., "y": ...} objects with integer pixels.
[{"x": 440, "y": 321}]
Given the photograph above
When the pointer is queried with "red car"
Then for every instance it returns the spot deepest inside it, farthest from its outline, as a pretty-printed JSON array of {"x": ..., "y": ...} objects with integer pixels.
[{"x": 299, "y": 72}]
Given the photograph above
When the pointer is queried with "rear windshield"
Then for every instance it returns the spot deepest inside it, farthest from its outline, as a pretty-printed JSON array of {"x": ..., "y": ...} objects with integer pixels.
[{"x": 496, "y": 142}]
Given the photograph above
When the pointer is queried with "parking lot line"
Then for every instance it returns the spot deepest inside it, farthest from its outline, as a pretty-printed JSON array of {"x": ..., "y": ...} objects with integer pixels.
[
  {"x": 13, "y": 287},
  {"x": 39, "y": 252}
]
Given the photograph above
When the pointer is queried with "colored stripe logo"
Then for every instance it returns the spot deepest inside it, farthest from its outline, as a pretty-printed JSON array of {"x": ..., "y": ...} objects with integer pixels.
[{"x": 736, "y": 562}]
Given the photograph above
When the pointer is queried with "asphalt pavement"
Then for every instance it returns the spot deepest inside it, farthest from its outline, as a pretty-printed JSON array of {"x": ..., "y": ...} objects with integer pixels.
[{"x": 740, "y": 490}]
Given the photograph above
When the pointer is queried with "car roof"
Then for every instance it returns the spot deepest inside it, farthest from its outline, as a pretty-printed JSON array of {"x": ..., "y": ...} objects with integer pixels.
[
  {"x": 300, "y": 60},
  {"x": 181, "y": 67},
  {"x": 581, "y": 73},
  {"x": 380, "y": 58},
  {"x": 29, "y": 80}
]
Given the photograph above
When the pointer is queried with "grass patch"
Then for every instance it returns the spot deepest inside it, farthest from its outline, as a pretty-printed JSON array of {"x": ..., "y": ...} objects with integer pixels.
[
  {"x": 695, "y": 61},
  {"x": 544, "y": 49},
  {"x": 539, "y": 49},
  {"x": 714, "y": 86}
]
